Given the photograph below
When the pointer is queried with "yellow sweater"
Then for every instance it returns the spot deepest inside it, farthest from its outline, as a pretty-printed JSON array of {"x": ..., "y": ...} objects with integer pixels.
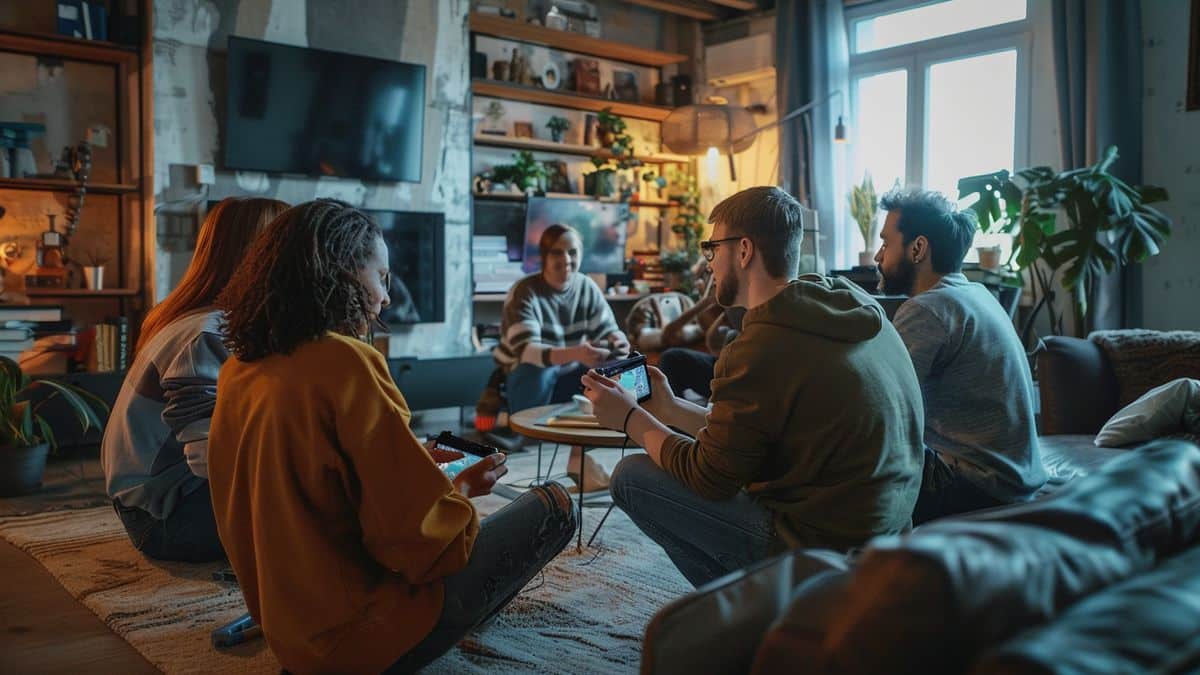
[{"x": 338, "y": 523}]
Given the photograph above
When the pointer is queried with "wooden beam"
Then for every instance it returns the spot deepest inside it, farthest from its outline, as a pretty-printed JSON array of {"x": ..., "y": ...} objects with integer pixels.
[
  {"x": 692, "y": 10},
  {"x": 744, "y": 5}
]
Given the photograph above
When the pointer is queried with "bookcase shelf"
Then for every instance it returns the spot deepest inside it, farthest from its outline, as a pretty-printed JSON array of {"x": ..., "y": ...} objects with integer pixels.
[
  {"x": 539, "y": 145},
  {"x": 511, "y": 29},
  {"x": 63, "y": 185},
  {"x": 563, "y": 99}
]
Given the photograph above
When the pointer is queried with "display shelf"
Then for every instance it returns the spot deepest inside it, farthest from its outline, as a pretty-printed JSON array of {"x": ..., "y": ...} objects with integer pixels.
[
  {"x": 63, "y": 185},
  {"x": 539, "y": 145},
  {"x": 562, "y": 99},
  {"x": 511, "y": 29}
]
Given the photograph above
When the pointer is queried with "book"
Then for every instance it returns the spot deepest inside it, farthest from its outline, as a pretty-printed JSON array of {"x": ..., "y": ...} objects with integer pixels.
[
  {"x": 15, "y": 333},
  {"x": 16, "y": 345},
  {"x": 10, "y": 313}
]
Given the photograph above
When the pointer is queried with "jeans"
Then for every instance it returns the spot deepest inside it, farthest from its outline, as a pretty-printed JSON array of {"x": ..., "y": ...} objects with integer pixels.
[
  {"x": 529, "y": 386},
  {"x": 705, "y": 539},
  {"x": 189, "y": 534},
  {"x": 513, "y": 545},
  {"x": 946, "y": 491},
  {"x": 688, "y": 369}
]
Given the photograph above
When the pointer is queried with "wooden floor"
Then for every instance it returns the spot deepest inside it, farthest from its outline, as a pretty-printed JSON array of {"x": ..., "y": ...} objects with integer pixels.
[{"x": 44, "y": 630}]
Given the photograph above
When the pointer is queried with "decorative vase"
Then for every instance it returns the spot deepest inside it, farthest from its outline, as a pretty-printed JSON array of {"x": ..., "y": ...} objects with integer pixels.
[
  {"x": 93, "y": 277},
  {"x": 21, "y": 469},
  {"x": 866, "y": 259},
  {"x": 556, "y": 135}
]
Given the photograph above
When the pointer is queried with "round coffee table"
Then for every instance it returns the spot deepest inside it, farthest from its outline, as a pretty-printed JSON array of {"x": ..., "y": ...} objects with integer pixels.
[{"x": 529, "y": 423}]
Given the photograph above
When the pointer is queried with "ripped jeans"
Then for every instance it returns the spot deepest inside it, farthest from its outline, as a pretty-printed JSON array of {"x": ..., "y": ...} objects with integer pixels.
[{"x": 513, "y": 545}]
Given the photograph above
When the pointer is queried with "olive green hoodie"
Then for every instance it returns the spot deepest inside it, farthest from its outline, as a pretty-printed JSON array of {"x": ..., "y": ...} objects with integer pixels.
[{"x": 817, "y": 414}]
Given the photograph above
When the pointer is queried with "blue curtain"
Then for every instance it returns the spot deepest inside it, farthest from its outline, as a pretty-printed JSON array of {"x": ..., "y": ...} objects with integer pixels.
[
  {"x": 1098, "y": 69},
  {"x": 812, "y": 60}
]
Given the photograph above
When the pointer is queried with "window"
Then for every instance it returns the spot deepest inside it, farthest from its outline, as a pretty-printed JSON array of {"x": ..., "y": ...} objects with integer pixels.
[{"x": 938, "y": 91}]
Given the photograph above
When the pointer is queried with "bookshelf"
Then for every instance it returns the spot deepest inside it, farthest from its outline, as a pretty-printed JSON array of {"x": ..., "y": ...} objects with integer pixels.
[
  {"x": 540, "y": 145},
  {"x": 512, "y": 29},
  {"x": 563, "y": 99}
]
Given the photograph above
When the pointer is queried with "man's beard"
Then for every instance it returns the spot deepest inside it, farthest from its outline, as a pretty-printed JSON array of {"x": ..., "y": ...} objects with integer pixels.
[
  {"x": 727, "y": 290},
  {"x": 900, "y": 281}
]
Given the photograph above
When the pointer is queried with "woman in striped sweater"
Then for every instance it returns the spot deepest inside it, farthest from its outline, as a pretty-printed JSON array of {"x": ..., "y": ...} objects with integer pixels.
[{"x": 556, "y": 325}]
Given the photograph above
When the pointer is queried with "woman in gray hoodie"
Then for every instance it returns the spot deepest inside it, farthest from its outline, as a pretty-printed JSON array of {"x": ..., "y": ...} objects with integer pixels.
[{"x": 155, "y": 445}]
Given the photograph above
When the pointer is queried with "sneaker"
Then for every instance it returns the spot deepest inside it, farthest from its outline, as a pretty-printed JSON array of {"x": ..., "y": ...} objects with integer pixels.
[{"x": 595, "y": 478}]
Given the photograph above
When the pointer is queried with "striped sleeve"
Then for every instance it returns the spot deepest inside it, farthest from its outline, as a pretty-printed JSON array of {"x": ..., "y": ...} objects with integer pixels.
[
  {"x": 599, "y": 315},
  {"x": 521, "y": 326}
]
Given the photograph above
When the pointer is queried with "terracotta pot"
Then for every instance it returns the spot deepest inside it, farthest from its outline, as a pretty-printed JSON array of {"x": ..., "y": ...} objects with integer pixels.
[{"x": 21, "y": 469}]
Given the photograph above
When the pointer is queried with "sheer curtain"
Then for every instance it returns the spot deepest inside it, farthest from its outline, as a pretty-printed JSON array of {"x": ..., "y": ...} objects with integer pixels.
[{"x": 812, "y": 60}]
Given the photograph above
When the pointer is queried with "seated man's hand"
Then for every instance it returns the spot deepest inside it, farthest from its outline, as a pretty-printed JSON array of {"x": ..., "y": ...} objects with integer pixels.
[
  {"x": 611, "y": 402},
  {"x": 619, "y": 343},
  {"x": 662, "y": 400},
  {"x": 478, "y": 479}
]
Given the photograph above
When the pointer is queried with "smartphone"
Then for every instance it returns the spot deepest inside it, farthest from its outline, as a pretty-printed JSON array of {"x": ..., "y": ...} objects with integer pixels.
[
  {"x": 631, "y": 374},
  {"x": 472, "y": 452}
]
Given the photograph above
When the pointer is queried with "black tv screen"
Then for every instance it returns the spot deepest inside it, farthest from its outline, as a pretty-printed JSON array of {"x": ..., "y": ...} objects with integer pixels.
[
  {"x": 415, "y": 244},
  {"x": 321, "y": 113}
]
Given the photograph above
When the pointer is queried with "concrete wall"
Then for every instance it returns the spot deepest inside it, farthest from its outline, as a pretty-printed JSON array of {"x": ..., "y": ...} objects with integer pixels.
[
  {"x": 189, "y": 81},
  {"x": 1171, "y": 159}
]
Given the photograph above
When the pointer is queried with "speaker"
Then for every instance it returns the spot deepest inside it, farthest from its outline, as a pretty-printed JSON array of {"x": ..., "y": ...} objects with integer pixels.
[
  {"x": 664, "y": 94},
  {"x": 682, "y": 89}
]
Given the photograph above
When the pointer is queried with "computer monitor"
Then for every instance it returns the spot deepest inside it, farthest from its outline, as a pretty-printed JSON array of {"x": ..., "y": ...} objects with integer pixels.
[{"x": 601, "y": 226}]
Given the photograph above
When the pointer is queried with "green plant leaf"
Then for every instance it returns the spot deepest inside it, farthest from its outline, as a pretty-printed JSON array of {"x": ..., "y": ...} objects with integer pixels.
[
  {"x": 83, "y": 412},
  {"x": 46, "y": 433},
  {"x": 1151, "y": 194}
]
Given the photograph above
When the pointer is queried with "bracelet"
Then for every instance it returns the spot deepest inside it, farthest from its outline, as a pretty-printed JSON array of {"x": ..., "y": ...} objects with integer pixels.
[{"x": 624, "y": 427}]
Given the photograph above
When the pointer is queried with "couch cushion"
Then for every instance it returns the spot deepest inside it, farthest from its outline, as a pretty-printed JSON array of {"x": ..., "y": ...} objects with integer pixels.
[
  {"x": 717, "y": 629},
  {"x": 1076, "y": 384},
  {"x": 1150, "y": 623},
  {"x": 1144, "y": 359},
  {"x": 931, "y": 601},
  {"x": 1071, "y": 456}
]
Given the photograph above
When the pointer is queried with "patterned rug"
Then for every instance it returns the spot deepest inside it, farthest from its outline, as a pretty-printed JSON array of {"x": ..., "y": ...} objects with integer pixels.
[{"x": 585, "y": 614}]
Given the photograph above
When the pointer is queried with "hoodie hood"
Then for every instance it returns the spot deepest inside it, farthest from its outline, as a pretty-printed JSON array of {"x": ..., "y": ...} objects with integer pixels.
[{"x": 828, "y": 307}]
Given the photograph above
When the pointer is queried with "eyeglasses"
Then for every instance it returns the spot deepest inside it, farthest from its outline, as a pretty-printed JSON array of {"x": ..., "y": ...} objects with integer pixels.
[{"x": 708, "y": 248}]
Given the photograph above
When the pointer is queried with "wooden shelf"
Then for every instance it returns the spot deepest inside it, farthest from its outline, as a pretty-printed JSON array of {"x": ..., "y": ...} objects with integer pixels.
[
  {"x": 62, "y": 185},
  {"x": 538, "y": 145},
  {"x": 633, "y": 204},
  {"x": 692, "y": 10},
  {"x": 516, "y": 92},
  {"x": 511, "y": 29},
  {"x": 80, "y": 293},
  {"x": 68, "y": 47}
]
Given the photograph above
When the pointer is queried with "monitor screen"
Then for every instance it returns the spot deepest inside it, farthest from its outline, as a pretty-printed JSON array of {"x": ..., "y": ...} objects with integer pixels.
[
  {"x": 320, "y": 113},
  {"x": 601, "y": 225},
  {"x": 415, "y": 244}
]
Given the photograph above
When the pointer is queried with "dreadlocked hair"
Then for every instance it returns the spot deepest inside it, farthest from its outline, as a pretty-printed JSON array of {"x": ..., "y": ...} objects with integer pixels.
[{"x": 299, "y": 281}]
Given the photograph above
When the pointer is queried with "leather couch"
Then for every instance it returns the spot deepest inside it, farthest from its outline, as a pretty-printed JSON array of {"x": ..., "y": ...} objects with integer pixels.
[{"x": 1098, "y": 577}]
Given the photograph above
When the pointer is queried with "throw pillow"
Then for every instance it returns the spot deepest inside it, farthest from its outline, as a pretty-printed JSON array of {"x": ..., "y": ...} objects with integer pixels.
[{"x": 1171, "y": 408}]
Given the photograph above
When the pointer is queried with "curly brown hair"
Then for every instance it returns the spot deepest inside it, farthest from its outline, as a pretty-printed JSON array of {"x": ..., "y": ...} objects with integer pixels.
[{"x": 300, "y": 280}]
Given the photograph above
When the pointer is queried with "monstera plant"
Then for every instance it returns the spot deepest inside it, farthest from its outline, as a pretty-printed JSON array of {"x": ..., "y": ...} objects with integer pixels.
[{"x": 1104, "y": 221}]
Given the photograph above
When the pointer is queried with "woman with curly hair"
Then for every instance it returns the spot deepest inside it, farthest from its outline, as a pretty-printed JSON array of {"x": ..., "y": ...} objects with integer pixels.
[
  {"x": 155, "y": 445},
  {"x": 353, "y": 550}
]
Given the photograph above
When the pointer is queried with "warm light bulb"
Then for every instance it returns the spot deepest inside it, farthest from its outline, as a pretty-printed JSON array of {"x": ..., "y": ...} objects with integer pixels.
[{"x": 712, "y": 153}]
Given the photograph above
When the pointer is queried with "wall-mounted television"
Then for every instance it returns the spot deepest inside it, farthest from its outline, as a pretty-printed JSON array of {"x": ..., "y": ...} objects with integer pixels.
[
  {"x": 416, "y": 244},
  {"x": 321, "y": 113},
  {"x": 601, "y": 225}
]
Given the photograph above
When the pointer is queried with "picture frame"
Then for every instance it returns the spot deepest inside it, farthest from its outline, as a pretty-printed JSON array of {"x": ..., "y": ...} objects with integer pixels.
[
  {"x": 1192, "y": 101},
  {"x": 625, "y": 86},
  {"x": 556, "y": 176},
  {"x": 523, "y": 129},
  {"x": 586, "y": 76}
]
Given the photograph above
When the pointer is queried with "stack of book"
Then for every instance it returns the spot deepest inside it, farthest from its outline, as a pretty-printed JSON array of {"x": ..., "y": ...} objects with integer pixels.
[
  {"x": 647, "y": 266},
  {"x": 110, "y": 346},
  {"x": 37, "y": 337},
  {"x": 493, "y": 271}
]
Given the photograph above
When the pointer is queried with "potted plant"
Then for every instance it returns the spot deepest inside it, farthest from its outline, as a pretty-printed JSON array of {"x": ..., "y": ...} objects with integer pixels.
[
  {"x": 1107, "y": 221},
  {"x": 864, "y": 206},
  {"x": 557, "y": 125},
  {"x": 25, "y": 436},
  {"x": 526, "y": 173},
  {"x": 610, "y": 129}
]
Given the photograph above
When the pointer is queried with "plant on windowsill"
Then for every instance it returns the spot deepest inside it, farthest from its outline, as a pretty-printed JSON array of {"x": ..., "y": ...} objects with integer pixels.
[
  {"x": 1107, "y": 222},
  {"x": 864, "y": 207},
  {"x": 25, "y": 436},
  {"x": 611, "y": 130}
]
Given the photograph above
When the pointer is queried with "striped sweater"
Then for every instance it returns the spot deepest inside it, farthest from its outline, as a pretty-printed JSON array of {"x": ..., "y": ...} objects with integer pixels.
[{"x": 537, "y": 318}]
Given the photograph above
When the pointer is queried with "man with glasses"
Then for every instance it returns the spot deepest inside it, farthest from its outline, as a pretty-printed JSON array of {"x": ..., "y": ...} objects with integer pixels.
[{"x": 814, "y": 434}]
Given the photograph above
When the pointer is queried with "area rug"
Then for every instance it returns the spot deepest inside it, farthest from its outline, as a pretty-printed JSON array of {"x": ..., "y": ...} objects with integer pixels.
[{"x": 586, "y": 613}]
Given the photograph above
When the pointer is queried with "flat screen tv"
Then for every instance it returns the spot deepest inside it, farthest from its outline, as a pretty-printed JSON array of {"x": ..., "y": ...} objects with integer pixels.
[
  {"x": 321, "y": 113},
  {"x": 415, "y": 242},
  {"x": 601, "y": 225}
]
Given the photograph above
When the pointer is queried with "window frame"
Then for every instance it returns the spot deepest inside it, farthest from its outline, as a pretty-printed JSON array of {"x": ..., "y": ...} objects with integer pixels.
[{"x": 917, "y": 57}]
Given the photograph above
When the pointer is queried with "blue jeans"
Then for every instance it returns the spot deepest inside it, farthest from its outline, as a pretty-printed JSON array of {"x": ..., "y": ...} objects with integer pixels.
[
  {"x": 189, "y": 534},
  {"x": 946, "y": 491},
  {"x": 705, "y": 539},
  {"x": 513, "y": 545},
  {"x": 529, "y": 386}
]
